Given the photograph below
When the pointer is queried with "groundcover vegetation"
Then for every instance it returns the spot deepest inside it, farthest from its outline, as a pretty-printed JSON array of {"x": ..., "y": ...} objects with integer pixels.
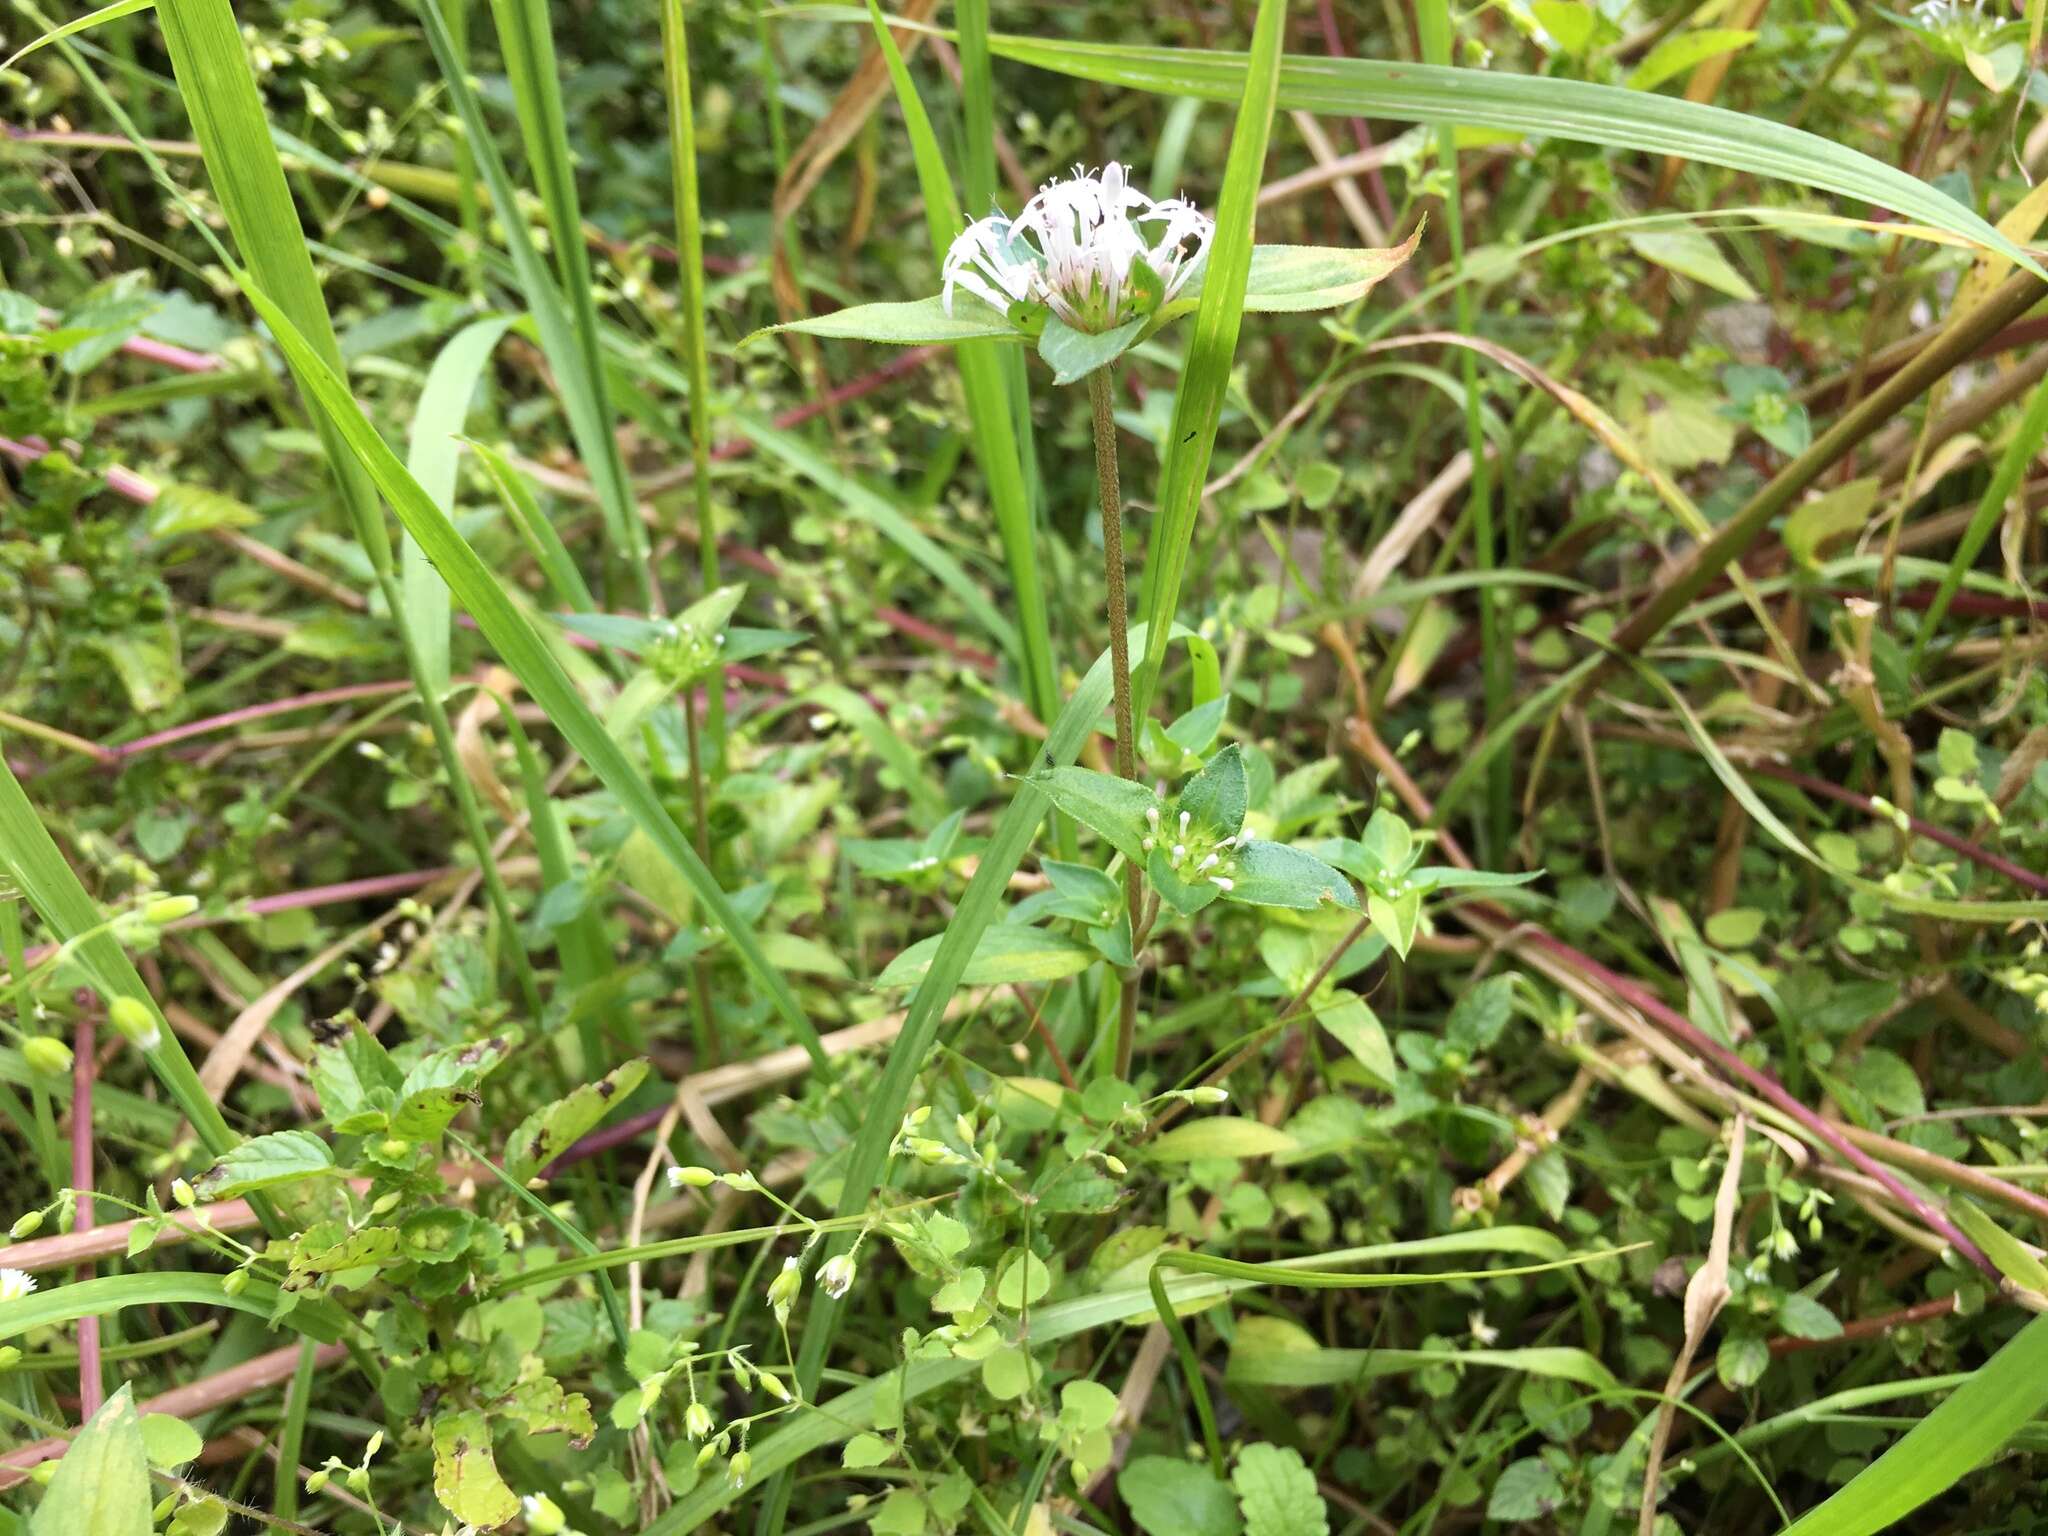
[{"x": 1233, "y": 769}]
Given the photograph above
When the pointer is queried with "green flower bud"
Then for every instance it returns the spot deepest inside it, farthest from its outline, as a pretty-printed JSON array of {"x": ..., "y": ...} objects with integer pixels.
[
  {"x": 234, "y": 1281},
  {"x": 182, "y": 1192},
  {"x": 544, "y": 1516},
  {"x": 137, "y": 1025},
  {"x": 691, "y": 1178},
  {"x": 47, "y": 1054},
  {"x": 737, "y": 1469},
  {"x": 25, "y": 1225},
  {"x": 168, "y": 909}
]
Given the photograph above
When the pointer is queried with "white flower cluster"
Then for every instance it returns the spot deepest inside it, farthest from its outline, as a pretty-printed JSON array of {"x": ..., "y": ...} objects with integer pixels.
[
  {"x": 1213, "y": 863},
  {"x": 1088, "y": 248}
]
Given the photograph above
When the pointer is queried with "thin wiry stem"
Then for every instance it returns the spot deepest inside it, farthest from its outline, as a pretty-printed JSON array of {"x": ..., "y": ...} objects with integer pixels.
[{"x": 1109, "y": 488}]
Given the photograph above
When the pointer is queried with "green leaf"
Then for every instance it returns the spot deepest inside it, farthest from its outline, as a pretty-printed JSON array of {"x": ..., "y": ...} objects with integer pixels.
[
  {"x": 1480, "y": 1014},
  {"x": 1219, "y": 1136},
  {"x": 1570, "y": 23},
  {"x": 1804, "y": 1318},
  {"x": 1216, "y": 798},
  {"x": 916, "y": 323},
  {"x": 1007, "y": 952},
  {"x": 1073, "y": 355},
  {"x": 1167, "y": 1496},
  {"x": 194, "y": 509},
  {"x": 1525, "y": 1490},
  {"x": 1277, "y": 1493},
  {"x": 466, "y": 1479},
  {"x": 1692, "y": 254},
  {"x": 2014, "y": 1259},
  {"x": 1742, "y": 1359},
  {"x": 1112, "y": 807},
  {"x": 169, "y": 1440},
  {"x": 1277, "y": 875},
  {"x": 866, "y": 1450},
  {"x": 547, "y": 1133},
  {"x": 1086, "y": 1405},
  {"x": 1837, "y": 514},
  {"x": 263, "y": 1161},
  {"x": 101, "y": 1487},
  {"x": 1358, "y": 1029},
  {"x": 1675, "y": 55},
  {"x": 1295, "y": 279},
  {"x": 1022, "y": 1281}
]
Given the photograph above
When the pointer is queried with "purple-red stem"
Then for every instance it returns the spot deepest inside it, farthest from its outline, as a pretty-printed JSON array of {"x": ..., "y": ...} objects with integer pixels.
[{"x": 91, "y": 1390}]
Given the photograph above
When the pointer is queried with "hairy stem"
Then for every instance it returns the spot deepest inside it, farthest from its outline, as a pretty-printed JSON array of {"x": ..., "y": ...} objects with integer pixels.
[{"x": 1100, "y": 385}]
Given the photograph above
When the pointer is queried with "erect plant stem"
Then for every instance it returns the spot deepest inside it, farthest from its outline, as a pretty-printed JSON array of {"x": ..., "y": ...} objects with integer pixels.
[{"x": 1110, "y": 490}]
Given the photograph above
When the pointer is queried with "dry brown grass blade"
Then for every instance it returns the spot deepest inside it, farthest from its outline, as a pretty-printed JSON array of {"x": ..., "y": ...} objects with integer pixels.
[{"x": 1705, "y": 1295}]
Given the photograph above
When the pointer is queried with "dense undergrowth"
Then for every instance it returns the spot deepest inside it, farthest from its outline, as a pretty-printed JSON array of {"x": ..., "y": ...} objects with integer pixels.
[{"x": 597, "y": 937}]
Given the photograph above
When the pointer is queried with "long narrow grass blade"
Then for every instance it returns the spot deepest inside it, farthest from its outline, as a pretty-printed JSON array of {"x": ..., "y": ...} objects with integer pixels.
[
  {"x": 1959, "y": 1436},
  {"x": 1562, "y": 109},
  {"x": 1198, "y": 405},
  {"x": 988, "y": 397},
  {"x": 474, "y": 585},
  {"x": 432, "y": 456}
]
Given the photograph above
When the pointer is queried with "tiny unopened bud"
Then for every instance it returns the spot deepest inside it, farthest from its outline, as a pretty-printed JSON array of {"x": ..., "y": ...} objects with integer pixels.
[
  {"x": 10, "y": 1357},
  {"x": 47, "y": 1054},
  {"x": 691, "y": 1178},
  {"x": 136, "y": 1023},
  {"x": 1209, "y": 1095},
  {"x": 182, "y": 1192},
  {"x": 26, "y": 1225},
  {"x": 773, "y": 1386},
  {"x": 697, "y": 1421},
  {"x": 168, "y": 909},
  {"x": 737, "y": 1469},
  {"x": 1114, "y": 1164},
  {"x": 233, "y": 1282},
  {"x": 707, "y": 1455},
  {"x": 315, "y": 1481}
]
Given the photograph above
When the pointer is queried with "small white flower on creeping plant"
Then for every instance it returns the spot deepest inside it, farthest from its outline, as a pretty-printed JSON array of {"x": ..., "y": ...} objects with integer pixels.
[
  {"x": 15, "y": 1284},
  {"x": 1483, "y": 1332},
  {"x": 1075, "y": 246},
  {"x": 836, "y": 1275}
]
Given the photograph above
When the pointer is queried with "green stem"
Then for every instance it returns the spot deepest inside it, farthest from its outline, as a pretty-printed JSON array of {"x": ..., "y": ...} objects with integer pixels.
[
  {"x": 285, "y": 1496},
  {"x": 1100, "y": 384}
]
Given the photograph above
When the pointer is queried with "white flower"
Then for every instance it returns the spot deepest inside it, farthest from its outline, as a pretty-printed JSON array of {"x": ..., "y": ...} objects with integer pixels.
[
  {"x": 1483, "y": 1332},
  {"x": 835, "y": 1275},
  {"x": 1075, "y": 247},
  {"x": 15, "y": 1284}
]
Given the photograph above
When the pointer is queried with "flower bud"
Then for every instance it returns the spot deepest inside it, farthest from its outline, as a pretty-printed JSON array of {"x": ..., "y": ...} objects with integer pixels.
[
  {"x": 707, "y": 1455},
  {"x": 10, "y": 1357},
  {"x": 784, "y": 1288},
  {"x": 137, "y": 1025},
  {"x": 697, "y": 1421},
  {"x": 234, "y": 1281},
  {"x": 315, "y": 1481},
  {"x": 773, "y": 1386},
  {"x": 1209, "y": 1095},
  {"x": 544, "y": 1516},
  {"x": 168, "y": 909},
  {"x": 182, "y": 1192},
  {"x": 690, "y": 1178},
  {"x": 47, "y": 1054},
  {"x": 737, "y": 1469},
  {"x": 26, "y": 1225}
]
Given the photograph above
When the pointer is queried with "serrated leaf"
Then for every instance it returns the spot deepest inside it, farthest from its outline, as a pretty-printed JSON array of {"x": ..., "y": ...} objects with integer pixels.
[
  {"x": 1525, "y": 1490},
  {"x": 1277, "y": 1493},
  {"x": 263, "y": 1161},
  {"x": 547, "y": 1133}
]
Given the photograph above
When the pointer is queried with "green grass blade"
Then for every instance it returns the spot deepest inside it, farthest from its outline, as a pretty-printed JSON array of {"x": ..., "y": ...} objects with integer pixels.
[
  {"x": 579, "y": 380},
  {"x": 1198, "y": 404},
  {"x": 682, "y": 143},
  {"x": 33, "y": 864},
  {"x": 1562, "y": 109},
  {"x": 988, "y": 397},
  {"x": 2012, "y": 469},
  {"x": 564, "y": 580},
  {"x": 474, "y": 585},
  {"x": 432, "y": 456},
  {"x": 1959, "y": 1436},
  {"x": 315, "y": 1317},
  {"x": 77, "y": 25}
]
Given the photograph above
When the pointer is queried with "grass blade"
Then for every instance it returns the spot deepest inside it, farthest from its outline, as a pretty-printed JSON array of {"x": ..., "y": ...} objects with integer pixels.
[
  {"x": 474, "y": 585},
  {"x": 1198, "y": 404}
]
